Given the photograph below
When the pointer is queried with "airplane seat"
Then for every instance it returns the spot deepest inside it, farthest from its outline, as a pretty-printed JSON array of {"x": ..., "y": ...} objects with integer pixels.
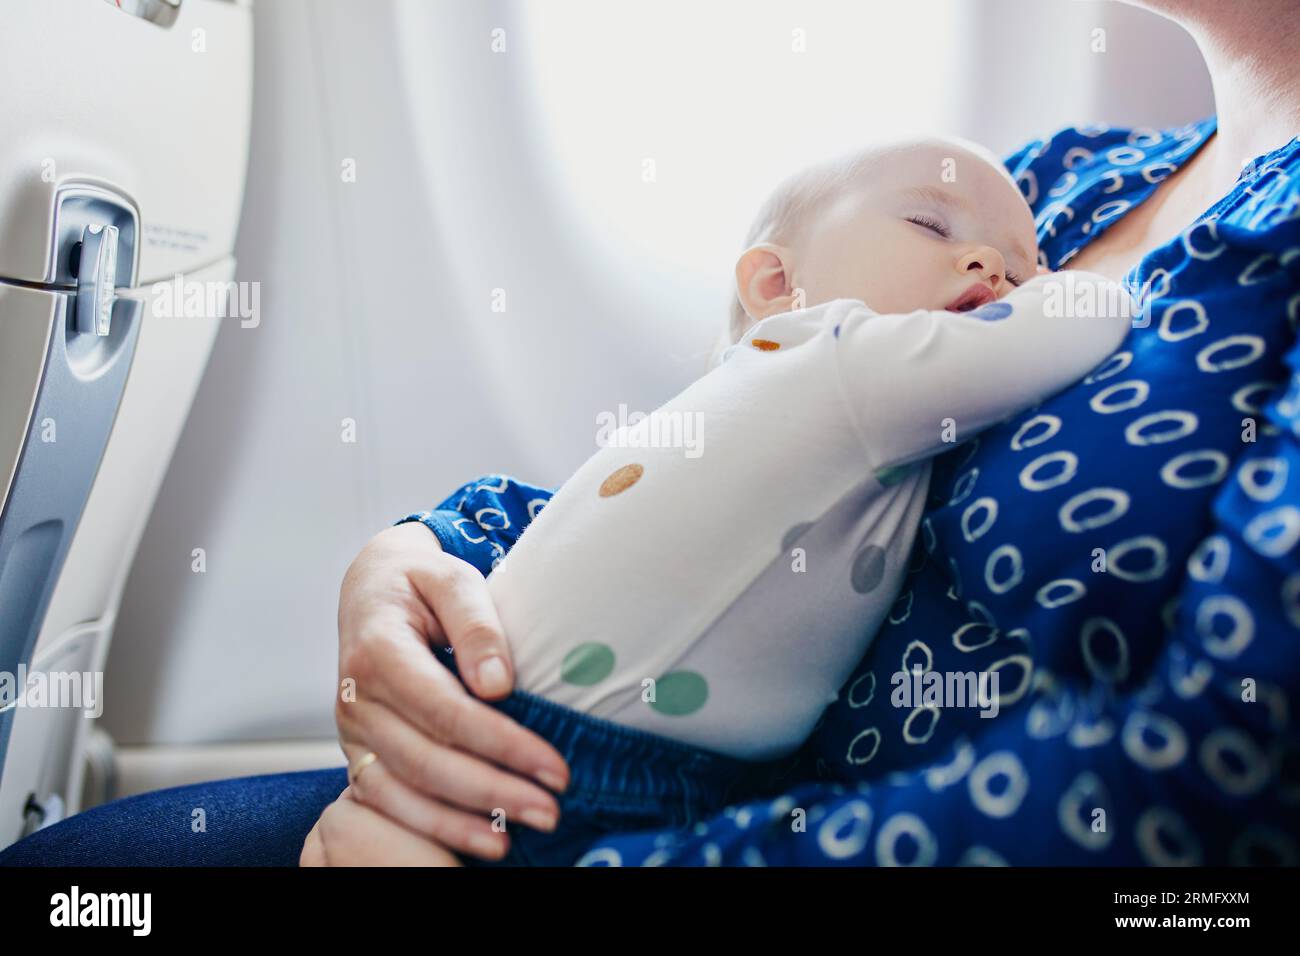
[{"x": 121, "y": 180}]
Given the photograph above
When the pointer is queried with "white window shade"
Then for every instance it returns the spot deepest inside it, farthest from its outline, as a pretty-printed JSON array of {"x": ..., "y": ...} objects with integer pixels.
[{"x": 724, "y": 98}]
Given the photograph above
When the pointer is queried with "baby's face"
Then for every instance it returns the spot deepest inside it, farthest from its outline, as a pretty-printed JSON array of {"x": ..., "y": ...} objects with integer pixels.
[{"x": 907, "y": 239}]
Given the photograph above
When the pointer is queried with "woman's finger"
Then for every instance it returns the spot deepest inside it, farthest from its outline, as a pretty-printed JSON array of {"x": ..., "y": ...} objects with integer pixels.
[
  {"x": 407, "y": 680},
  {"x": 313, "y": 851},
  {"x": 353, "y": 834},
  {"x": 458, "y": 596},
  {"x": 313, "y": 848},
  {"x": 454, "y": 829},
  {"x": 447, "y": 774}
]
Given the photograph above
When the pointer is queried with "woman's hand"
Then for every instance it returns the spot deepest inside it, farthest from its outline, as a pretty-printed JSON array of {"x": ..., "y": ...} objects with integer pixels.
[
  {"x": 349, "y": 833},
  {"x": 445, "y": 760}
]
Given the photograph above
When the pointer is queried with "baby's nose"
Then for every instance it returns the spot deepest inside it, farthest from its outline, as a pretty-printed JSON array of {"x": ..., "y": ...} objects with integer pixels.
[{"x": 987, "y": 262}]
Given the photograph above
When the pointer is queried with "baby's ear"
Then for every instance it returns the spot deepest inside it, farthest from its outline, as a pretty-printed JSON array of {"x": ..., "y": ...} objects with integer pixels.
[
  {"x": 1043, "y": 270},
  {"x": 763, "y": 280}
]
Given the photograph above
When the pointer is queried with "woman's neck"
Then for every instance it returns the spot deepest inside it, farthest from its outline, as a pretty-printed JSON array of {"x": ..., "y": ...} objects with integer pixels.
[{"x": 1252, "y": 50}]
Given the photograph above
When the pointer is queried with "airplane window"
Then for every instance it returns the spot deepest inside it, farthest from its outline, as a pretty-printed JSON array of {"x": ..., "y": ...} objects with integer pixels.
[{"x": 666, "y": 121}]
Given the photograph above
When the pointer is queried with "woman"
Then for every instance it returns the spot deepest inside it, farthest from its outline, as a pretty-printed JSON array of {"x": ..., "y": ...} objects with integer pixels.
[
  {"x": 1123, "y": 557},
  {"x": 1130, "y": 742}
]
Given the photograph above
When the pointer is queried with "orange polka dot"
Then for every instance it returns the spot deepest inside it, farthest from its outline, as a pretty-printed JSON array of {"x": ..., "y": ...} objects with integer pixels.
[
  {"x": 621, "y": 480},
  {"x": 766, "y": 345}
]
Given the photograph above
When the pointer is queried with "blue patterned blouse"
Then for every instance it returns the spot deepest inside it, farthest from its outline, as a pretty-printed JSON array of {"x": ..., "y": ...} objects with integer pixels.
[{"x": 1124, "y": 556}]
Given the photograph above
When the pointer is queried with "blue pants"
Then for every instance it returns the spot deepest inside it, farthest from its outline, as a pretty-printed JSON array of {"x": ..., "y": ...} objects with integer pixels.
[
  {"x": 248, "y": 821},
  {"x": 621, "y": 779}
]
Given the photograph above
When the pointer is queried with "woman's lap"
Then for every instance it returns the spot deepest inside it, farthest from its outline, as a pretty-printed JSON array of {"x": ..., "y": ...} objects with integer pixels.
[{"x": 245, "y": 821}]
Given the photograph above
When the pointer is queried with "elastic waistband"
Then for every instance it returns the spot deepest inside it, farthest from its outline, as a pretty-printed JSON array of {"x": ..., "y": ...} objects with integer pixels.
[{"x": 624, "y": 764}]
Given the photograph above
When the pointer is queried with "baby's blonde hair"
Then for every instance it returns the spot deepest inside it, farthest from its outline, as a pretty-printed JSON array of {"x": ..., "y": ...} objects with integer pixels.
[
  {"x": 783, "y": 219},
  {"x": 786, "y": 214}
]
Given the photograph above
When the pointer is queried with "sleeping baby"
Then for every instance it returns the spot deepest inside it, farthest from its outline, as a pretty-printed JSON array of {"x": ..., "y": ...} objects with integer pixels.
[{"x": 889, "y": 305}]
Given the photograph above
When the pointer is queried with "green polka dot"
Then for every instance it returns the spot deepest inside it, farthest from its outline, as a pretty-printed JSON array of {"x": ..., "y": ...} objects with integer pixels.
[
  {"x": 893, "y": 475},
  {"x": 587, "y": 664},
  {"x": 678, "y": 693}
]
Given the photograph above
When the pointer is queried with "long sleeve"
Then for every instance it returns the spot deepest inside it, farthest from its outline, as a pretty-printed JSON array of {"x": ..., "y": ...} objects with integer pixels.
[
  {"x": 483, "y": 519},
  {"x": 905, "y": 375},
  {"x": 1197, "y": 766}
]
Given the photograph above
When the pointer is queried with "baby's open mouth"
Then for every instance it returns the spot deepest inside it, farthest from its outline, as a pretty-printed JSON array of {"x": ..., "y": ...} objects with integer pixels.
[{"x": 977, "y": 295}]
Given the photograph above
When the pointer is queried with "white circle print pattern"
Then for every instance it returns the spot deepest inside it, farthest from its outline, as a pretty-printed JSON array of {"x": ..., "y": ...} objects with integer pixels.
[{"x": 1131, "y": 542}]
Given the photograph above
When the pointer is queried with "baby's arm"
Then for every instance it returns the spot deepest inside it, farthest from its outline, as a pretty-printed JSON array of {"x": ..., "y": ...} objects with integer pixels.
[{"x": 904, "y": 375}]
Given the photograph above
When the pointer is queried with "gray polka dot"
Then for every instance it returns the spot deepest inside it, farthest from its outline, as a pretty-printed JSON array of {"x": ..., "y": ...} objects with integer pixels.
[
  {"x": 794, "y": 534},
  {"x": 868, "y": 568}
]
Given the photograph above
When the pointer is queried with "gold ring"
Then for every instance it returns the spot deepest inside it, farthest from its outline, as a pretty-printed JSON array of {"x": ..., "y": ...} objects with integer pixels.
[{"x": 362, "y": 764}]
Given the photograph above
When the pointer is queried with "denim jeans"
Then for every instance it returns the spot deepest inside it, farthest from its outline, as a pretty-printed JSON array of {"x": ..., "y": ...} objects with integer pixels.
[
  {"x": 620, "y": 780},
  {"x": 247, "y": 821}
]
